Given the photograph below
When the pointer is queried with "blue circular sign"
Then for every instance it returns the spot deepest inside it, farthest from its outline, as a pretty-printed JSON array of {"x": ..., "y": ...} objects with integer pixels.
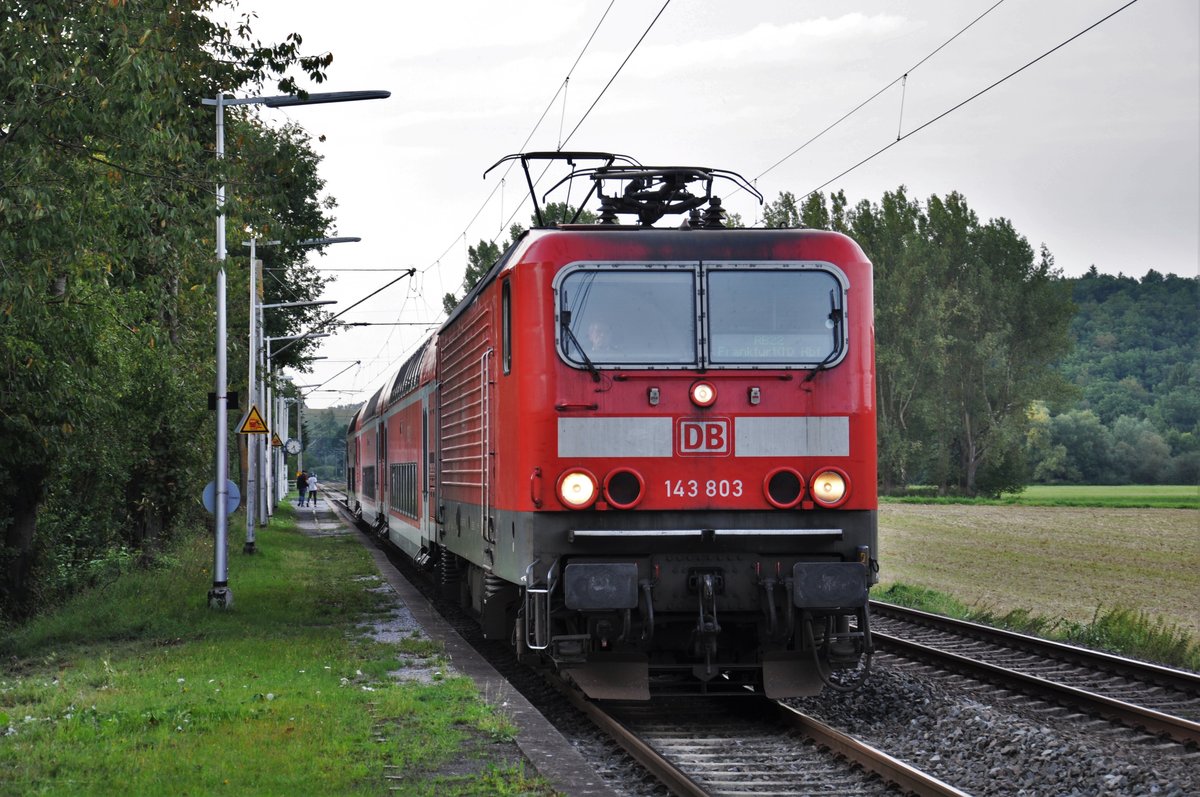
[{"x": 233, "y": 497}]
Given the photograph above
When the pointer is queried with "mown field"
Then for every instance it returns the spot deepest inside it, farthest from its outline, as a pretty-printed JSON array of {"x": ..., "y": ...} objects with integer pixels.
[{"x": 1054, "y": 561}]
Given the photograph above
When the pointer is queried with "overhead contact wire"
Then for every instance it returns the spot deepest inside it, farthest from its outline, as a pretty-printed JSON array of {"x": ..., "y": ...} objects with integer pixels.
[
  {"x": 974, "y": 96},
  {"x": 874, "y": 96},
  {"x": 333, "y": 318},
  {"x": 614, "y": 77},
  {"x": 563, "y": 143},
  {"x": 537, "y": 124},
  {"x": 561, "y": 89}
]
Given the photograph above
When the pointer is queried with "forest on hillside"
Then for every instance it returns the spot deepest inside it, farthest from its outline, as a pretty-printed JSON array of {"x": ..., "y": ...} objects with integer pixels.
[{"x": 1135, "y": 413}]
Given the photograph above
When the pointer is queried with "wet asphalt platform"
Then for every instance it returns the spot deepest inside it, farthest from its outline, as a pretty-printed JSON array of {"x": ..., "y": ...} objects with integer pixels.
[{"x": 546, "y": 749}]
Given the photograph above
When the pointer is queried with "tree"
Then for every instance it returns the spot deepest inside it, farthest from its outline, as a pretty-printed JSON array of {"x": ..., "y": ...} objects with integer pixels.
[
  {"x": 1135, "y": 344},
  {"x": 105, "y": 261},
  {"x": 1088, "y": 447},
  {"x": 908, "y": 344},
  {"x": 814, "y": 213},
  {"x": 782, "y": 212},
  {"x": 1139, "y": 451},
  {"x": 280, "y": 196},
  {"x": 480, "y": 259},
  {"x": 1007, "y": 327},
  {"x": 968, "y": 327}
]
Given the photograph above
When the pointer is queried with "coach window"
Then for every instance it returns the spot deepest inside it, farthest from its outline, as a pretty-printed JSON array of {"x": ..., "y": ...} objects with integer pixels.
[
  {"x": 772, "y": 316},
  {"x": 506, "y": 329},
  {"x": 628, "y": 315}
]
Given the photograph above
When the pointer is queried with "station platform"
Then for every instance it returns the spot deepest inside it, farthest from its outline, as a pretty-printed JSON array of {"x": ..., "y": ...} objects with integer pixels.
[{"x": 546, "y": 750}]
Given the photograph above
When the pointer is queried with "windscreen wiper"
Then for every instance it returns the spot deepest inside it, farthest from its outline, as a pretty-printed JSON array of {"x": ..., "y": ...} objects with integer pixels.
[
  {"x": 836, "y": 316},
  {"x": 566, "y": 328}
]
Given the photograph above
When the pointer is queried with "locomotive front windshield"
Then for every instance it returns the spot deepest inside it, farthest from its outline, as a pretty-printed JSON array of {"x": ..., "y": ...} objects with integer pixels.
[
  {"x": 724, "y": 315},
  {"x": 629, "y": 317},
  {"x": 773, "y": 317}
]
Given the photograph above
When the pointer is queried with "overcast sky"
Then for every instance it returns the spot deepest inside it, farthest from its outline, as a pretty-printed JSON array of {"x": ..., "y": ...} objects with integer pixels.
[{"x": 1093, "y": 151}]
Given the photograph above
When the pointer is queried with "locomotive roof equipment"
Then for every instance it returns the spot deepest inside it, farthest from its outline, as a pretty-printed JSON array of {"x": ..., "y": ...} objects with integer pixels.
[{"x": 649, "y": 192}]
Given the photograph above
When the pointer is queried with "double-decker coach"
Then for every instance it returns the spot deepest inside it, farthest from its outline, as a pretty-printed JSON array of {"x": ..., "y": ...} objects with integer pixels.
[{"x": 646, "y": 455}]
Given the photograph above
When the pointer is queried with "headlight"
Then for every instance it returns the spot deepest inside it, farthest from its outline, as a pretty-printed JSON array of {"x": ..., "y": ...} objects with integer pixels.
[
  {"x": 624, "y": 488},
  {"x": 703, "y": 394},
  {"x": 830, "y": 488},
  {"x": 577, "y": 489},
  {"x": 783, "y": 488}
]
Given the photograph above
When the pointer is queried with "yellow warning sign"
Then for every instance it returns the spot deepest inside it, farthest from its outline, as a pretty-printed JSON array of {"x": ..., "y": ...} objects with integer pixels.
[
  {"x": 253, "y": 423},
  {"x": 275, "y": 441}
]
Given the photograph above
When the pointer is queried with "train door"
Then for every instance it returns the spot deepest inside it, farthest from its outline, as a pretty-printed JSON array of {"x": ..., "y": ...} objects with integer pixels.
[
  {"x": 381, "y": 478},
  {"x": 487, "y": 450},
  {"x": 430, "y": 431},
  {"x": 422, "y": 486}
]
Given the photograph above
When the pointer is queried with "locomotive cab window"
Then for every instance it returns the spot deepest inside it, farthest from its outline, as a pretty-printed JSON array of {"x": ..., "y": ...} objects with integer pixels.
[
  {"x": 762, "y": 315},
  {"x": 633, "y": 316},
  {"x": 720, "y": 315}
]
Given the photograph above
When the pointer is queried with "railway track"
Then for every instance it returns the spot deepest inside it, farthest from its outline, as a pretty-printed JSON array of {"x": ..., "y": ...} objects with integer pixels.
[
  {"x": 1159, "y": 700},
  {"x": 747, "y": 745},
  {"x": 751, "y": 746}
]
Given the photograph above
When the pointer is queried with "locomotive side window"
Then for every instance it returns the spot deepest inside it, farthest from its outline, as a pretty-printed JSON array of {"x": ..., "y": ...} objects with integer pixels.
[
  {"x": 774, "y": 316},
  {"x": 506, "y": 326},
  {"x": 632, "y": 316}
]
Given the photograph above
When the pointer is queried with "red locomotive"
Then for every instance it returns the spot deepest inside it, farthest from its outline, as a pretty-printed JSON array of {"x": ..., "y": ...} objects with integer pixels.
[{"x": 646, "y": 455}]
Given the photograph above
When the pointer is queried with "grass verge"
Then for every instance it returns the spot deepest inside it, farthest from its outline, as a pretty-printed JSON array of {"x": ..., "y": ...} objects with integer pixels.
[
  {"x": 1121, "y": 631},
  {"x": 141, "y": 688}
]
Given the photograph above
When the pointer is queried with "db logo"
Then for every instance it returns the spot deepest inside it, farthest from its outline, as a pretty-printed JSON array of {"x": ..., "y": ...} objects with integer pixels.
[{"x": 710, "y": 436}]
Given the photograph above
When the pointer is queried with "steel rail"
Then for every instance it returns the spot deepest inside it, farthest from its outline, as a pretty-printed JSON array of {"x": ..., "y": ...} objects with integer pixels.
[
  {"x": 1177, "y": 728},
  {"x": 658, "y": 766},
  {"x": 893, "y": 770},
  {"x": 1179, "y": 680}
]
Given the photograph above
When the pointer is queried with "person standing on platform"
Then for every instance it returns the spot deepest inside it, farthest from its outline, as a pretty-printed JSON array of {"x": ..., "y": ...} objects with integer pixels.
[
  {"x": 301, "y": 486},
  {"x": 312, "y": 488}
]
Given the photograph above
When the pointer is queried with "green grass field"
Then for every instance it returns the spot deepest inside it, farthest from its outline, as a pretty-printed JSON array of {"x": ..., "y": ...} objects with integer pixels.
[
  {"x": 141, "y": 688},
  {"x": 1172, "y": 496},
  {"x": 1163, "y": 496}
]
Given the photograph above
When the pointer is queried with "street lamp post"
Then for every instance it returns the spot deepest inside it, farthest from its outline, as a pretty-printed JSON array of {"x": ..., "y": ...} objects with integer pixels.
[
  {"x": 254, "y": 498},
  {"x": 260, "y": 490},
  {"x": 220, "y": 596},
  {"x": 268, "y": 483},
  {"x": 270, "y": 493},
  {"x": 267, "y": 489},
  {"x": 280, "y": 470}
]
